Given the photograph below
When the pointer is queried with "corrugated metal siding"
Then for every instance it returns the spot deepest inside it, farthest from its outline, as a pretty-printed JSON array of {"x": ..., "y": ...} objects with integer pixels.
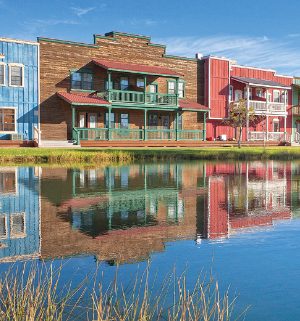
[{"x": 24, "y": 98}]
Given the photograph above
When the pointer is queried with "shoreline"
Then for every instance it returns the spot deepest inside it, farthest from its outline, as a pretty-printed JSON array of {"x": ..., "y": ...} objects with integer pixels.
[{"x": 94, "y": 156}]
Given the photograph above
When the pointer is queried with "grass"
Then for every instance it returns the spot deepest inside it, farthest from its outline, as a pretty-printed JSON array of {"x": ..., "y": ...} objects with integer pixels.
[
  {"x": 35, "y": 295},
  {"x": 107, "y": 156}
]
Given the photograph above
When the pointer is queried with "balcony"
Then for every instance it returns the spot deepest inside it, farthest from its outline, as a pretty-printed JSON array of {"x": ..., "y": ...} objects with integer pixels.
[
  {"x": 140, "y": 98},
  {"x": 264, "y": 108},
  {"x": 119, "y": 134}
]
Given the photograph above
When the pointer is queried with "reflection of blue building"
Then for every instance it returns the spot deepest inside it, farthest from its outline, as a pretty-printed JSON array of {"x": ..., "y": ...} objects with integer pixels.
[
  {"x": 19, "y": 213},
  {"x": 19, "y": 89}
]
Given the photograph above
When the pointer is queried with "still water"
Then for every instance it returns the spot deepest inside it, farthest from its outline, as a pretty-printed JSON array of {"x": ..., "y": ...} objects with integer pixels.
[{"x": 238, "y": 220}]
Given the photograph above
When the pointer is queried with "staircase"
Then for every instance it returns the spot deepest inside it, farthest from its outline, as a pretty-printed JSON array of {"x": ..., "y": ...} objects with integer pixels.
[{"x": 57, "y": 144}]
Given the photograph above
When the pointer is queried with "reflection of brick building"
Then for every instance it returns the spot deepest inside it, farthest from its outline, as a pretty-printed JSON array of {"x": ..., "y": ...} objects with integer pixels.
[{"x": 120, "y": 214}]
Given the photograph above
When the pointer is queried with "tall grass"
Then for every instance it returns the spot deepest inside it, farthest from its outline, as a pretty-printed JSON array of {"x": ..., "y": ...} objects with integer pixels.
[
  {"x": 37, "y": 294},
  {"x": 94, "y": 156}
]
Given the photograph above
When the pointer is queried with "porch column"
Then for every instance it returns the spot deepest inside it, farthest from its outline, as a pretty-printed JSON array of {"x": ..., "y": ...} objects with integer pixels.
[
  {"x": 73, "y": 123},
  {"x": 267, "y": 127},
  {"x": 145, "y": 124},
  {"x": 109, "y": 85},
  {"x": 145, "y": 88},
  {"x": 176, "y": 125},
  {"x": 284, "y": 128},
  {"x": 177, "y": 98},
  {"x": 108, "y": 127},
  {"x": 285, "y": 103},
  {"x": 267, "y": 117},
  {"x": 247, "y": 113},
  {"x": 204, "y": 127}
]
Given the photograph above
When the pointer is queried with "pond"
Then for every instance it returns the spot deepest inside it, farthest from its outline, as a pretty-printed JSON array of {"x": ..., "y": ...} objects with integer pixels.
[{"x": 236, "y": 220}]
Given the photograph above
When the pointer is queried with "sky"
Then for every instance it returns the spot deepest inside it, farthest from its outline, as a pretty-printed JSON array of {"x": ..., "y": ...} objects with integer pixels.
[{"x": 261, "y": 33}]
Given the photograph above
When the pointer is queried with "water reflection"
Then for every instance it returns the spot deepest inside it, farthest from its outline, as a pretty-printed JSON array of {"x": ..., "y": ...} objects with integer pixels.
[{"x": 123, "y": 214}]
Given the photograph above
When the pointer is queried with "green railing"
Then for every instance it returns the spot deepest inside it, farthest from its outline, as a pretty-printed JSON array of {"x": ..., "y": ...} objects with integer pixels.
[
  {"x": 126, "y": 134},
  {"x": 135, "y": 134},
  {"x": 137, "y": 97}
]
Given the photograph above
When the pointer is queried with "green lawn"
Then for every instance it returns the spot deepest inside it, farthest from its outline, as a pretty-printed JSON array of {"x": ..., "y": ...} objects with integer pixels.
[{"x": 103, "y": 156}]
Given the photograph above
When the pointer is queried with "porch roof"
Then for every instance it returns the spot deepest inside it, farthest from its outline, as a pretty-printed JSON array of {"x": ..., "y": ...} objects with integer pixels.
[
  {"x": 135, "y": 68},
  {"x": 260, "y": 82},
  {"x": 187, "y": 104},
  {"x": 83, "y": 99}
]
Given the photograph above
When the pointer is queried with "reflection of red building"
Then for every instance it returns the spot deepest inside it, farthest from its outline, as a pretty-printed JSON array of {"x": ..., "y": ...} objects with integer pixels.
[{"x": 246, "y": 195}]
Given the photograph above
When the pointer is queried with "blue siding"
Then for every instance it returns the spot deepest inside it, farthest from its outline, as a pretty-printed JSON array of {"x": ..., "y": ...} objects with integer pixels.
[
  {"x": 25, "y": 99},
  {"x": 25, "y": 200}
]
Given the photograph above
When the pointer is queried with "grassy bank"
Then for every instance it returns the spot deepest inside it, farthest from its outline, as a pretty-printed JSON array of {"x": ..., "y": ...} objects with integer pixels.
[{"x": 108, "y": 156}]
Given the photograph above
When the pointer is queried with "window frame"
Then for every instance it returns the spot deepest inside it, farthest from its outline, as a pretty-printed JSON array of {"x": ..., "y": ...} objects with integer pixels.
[
  {"x": 15, "y": 119},
  {"x": 183, "y": 89},
  {"x": 90, "y": 72},
  {"x": 279, "y": 96},
  {"x": 13, "y": 235},
  {"x": 122, "y": 78},
  {"x": 4, "y": 73},
  {"x": 171, "y": 82},
  {"x": 9, "y": 73},
  {"x": 141, "y": 80},
  {"x": 120, "y": 121}
]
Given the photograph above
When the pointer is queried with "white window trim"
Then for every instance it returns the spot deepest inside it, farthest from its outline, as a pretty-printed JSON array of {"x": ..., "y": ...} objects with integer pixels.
[
  {"x": 10, "y": 132},
  {"x": 9, "y": 68},
  {"x": 3, "y": 64}
]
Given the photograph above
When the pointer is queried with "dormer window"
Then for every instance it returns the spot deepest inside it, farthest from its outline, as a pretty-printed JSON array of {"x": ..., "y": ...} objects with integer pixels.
[{"x": 82, "y": 80}]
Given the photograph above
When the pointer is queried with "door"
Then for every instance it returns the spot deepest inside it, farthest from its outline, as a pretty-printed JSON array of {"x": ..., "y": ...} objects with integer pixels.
[
  {"x": 152, "y": 91},
  {"x": 92, "y": 120},
  {"x": 82, "y": 120},
  {"x": 166, "y": 127}
]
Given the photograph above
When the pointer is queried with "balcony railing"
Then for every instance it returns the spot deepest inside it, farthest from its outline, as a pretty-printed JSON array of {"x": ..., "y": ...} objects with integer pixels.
[
  {"x": 137, "y": 97},
  {"x": 116, "y": 134},
  {"x": 270, "y": 136},
  {"x": 262, "y": 107}
]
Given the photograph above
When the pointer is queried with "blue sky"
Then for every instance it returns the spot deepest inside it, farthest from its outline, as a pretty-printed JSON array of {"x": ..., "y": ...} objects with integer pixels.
[{"x": 261, "y": 33}]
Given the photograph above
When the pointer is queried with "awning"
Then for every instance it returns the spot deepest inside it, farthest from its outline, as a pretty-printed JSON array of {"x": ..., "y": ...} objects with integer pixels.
[
  {"x": 83, "y": 99},
  {"x": 187, "y": 104},
  {"x": 260, "y": 82},
  {"x": 135, "y": 68}
]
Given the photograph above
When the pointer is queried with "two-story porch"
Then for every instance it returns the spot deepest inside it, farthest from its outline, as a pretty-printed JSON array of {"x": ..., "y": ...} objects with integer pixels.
[
  {"x": 266, "y": 99},
  {"x": 125, "y": 104}
]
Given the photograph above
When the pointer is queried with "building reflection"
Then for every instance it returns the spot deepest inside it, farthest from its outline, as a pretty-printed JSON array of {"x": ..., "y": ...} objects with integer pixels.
[
  {"x": 19, "y": 213},
  {"x": 123, "y": 214}
]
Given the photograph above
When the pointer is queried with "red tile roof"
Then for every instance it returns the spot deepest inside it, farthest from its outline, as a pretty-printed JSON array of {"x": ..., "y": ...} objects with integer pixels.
[
  {"x": 187, "y": 104},
  {"x": 153, "y": 70},
  {"x": 82, "y": 98}
]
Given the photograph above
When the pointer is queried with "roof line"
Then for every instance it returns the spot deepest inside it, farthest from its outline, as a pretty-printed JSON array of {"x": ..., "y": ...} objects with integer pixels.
[{"x": 26, "y": 42}]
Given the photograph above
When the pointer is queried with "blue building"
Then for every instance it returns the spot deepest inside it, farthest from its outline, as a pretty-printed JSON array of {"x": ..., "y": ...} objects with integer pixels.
[
  {"x": 19, "y": 213},
  {"x": 19, "y": 89}
]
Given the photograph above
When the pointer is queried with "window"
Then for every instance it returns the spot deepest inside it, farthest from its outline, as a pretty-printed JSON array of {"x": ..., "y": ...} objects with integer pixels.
[
  {"x": 16, "y": 75},
  {"x": 124, "y": 83},
  {"x": 181, "y": 89},
  {"x": 17, "y": 225},
  {"x": 238, "y": 95},
  {"x": 259, "y": 93},
  {"x": 82, "y": 80},
  {"x": 7, "y": 120},
  {"x": 8, "y": 182},
  {"x": 171, "y": 87},
  {"x": 153, "y": 89},
  {"x": 230, "y": 93},
  {"x": 140, "y": 83},
  {"x": 2, "y": 74},
  {"x": 3, "y": 227},
  {"x": 246, "y": 93},
  {"x": 276, "y": 96},
  {"x": 284, "y": 97},
  {"x": 153, "y": 120},
  {"x": 276, "y": 127},
  {"x": 112, "y": 120},
  {"x": 124, "y": 121}
]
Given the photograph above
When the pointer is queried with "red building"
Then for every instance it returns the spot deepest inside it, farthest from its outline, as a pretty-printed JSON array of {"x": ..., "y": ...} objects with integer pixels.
[{"x": 268, "y": 94}]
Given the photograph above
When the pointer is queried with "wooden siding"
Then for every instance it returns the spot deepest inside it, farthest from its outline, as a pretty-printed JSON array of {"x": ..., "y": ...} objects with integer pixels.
[{"x": 24, "y": 99}]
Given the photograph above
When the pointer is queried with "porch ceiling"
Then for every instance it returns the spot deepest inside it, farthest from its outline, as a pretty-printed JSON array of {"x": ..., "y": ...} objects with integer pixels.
[
  {"x": 260, "y": 82},
  {"x": 83, "y": 99},
  {"x": 135, "y": 68}
]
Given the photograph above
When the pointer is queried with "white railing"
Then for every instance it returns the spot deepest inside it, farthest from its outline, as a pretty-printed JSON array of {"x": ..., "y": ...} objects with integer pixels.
[
  {"x": 297, "y": 138},
  {"x": 262, "y": 107},
  {"x": 270, "y": 136}
]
